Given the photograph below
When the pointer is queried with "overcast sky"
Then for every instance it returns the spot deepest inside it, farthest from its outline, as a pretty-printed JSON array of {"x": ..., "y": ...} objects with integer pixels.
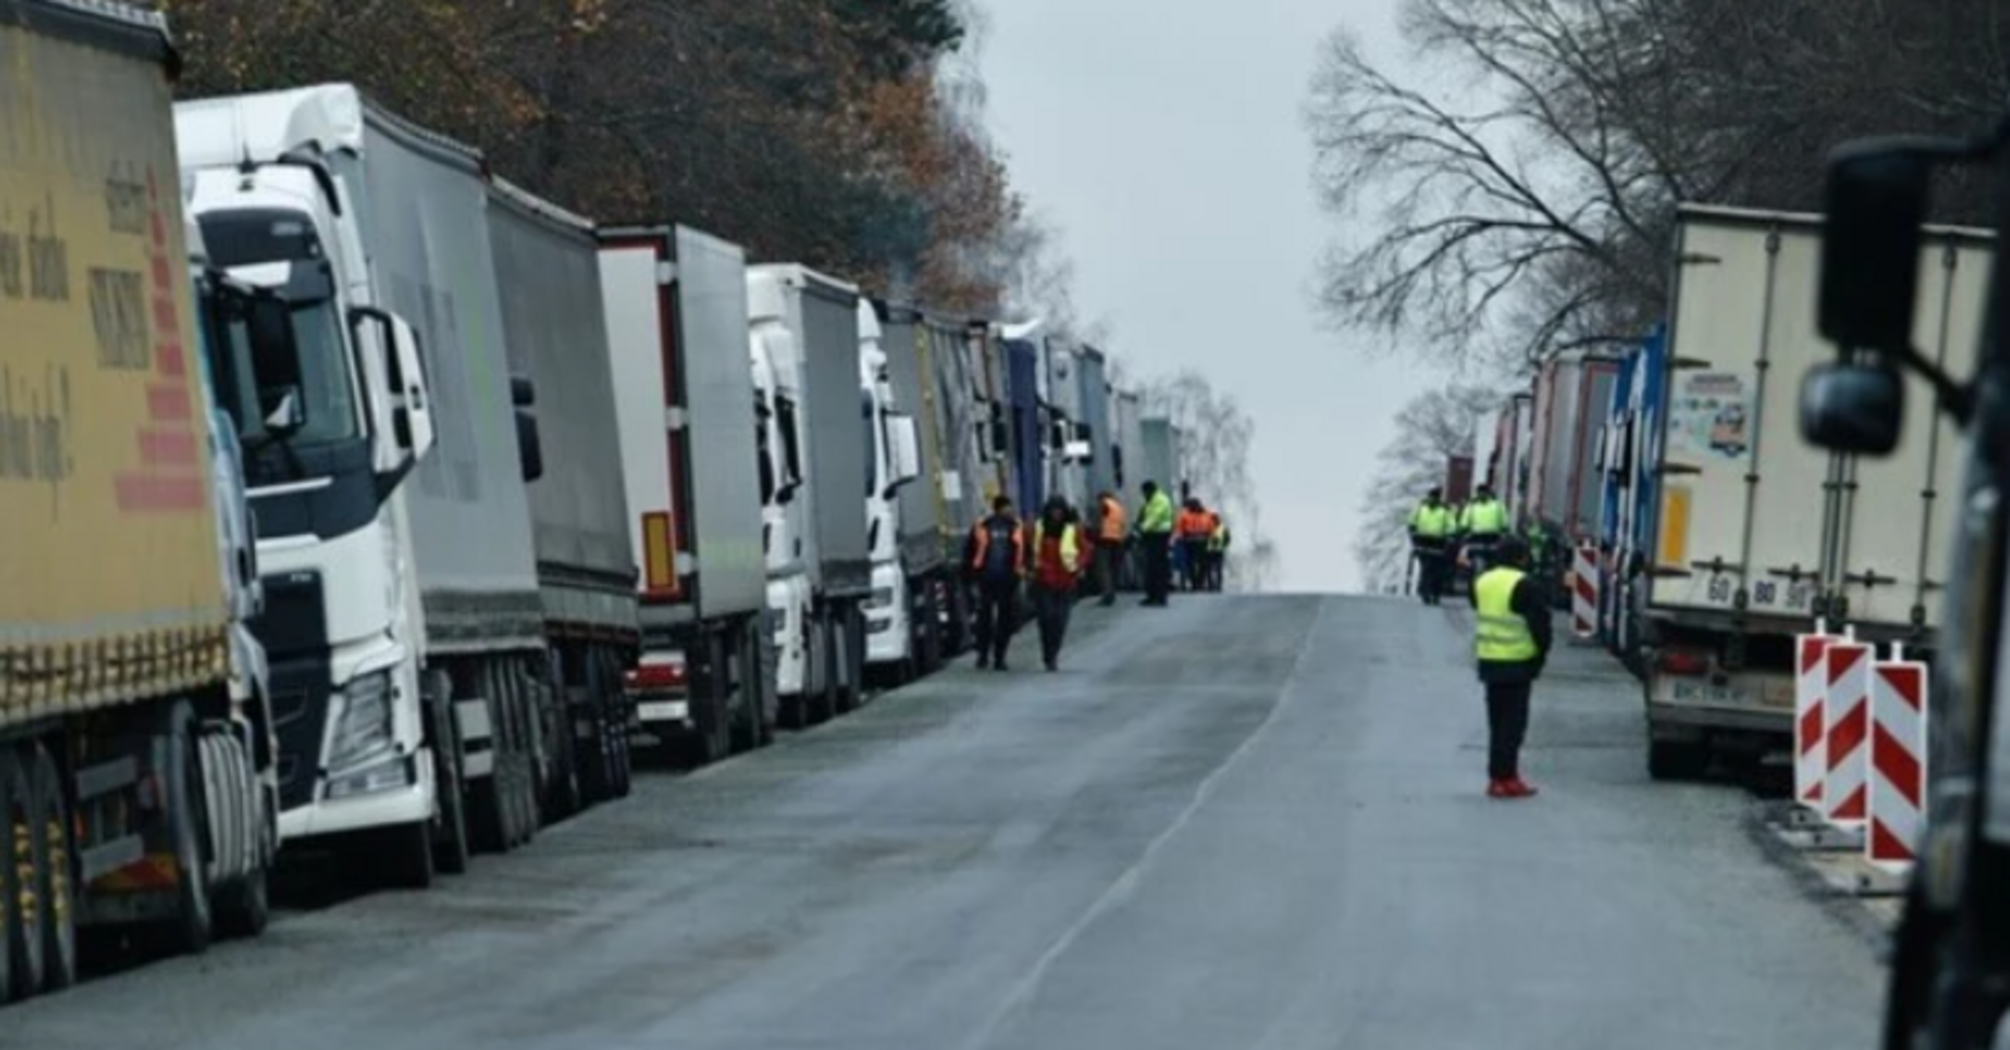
[{"x": 1164, "y": 137}]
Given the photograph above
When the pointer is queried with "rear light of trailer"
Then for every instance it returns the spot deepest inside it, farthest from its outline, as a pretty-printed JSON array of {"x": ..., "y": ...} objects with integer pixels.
[{"x": 1684, "y": 662}]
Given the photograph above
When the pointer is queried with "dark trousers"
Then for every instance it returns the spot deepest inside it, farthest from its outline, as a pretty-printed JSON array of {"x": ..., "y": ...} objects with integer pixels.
[
  {"x": 1108, "y": 552},
  {"x": 1507, "y": 725},
  {"x": 1432, "y": 564},
  {"x": 1196, "y": 564},
  {"x": 1215, "y": 561},
  {"x": 997, "y": 617},
  {"x": 1158, "y": 567},
  {"x": 1051, "y": 605}
]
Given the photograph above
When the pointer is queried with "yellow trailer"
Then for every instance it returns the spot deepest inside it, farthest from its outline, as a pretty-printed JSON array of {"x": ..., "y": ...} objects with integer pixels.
[{"x": 129, "y": 726}]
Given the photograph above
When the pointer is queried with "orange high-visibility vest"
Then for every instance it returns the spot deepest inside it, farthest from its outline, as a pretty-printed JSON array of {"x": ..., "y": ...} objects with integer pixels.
[{"x": 1114, "y": 525}]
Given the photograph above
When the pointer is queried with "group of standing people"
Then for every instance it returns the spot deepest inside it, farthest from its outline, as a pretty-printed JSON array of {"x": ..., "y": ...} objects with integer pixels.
[
  {"x": 1440, "y": 533},
  {"x": 1058, "y": 551}
]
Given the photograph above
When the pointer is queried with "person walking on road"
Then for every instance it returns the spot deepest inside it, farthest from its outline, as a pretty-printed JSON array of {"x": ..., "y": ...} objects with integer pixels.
[
  {"x": 998, "y": 560},
  {"x": 1155, "y": 533},
  {"x": 1193, "y": 531},
  {"x": 1431, "y": 527},
  {"x": 1112, "y": 531},
  {"x": 1511, "y": 640},
  {"x": 1057, "y": 568}
]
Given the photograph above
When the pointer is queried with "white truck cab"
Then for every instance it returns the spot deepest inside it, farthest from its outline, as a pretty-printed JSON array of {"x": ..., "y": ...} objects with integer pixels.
[
  {"x": 329, "y": 435},
  {"x": 779, "y": 405},
  {"x": 896, "y": 461}
]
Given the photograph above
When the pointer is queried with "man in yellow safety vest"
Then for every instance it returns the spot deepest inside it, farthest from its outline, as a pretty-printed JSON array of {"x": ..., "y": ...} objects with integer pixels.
[
  {"x": 1511, "y": 641},
  {"x": 1431, "y": 527}
]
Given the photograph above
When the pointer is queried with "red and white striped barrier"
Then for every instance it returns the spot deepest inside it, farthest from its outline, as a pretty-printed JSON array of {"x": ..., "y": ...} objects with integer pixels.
[
  {"x": 1811, "y": 767},
  {"x": 1897, "y": 761},
  {"x": 1846, "y": 737},
  {"x": 1584, "y": 592}
]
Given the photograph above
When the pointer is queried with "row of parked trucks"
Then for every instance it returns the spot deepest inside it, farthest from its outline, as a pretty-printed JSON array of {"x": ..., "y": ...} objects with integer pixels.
[
  {"x": 359, "y": 501},
  {"x": 1715, "y": 533}
]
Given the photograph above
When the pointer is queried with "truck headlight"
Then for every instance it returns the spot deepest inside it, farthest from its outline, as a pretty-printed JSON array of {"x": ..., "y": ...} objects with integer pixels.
[{"x": 363, "y": 728}]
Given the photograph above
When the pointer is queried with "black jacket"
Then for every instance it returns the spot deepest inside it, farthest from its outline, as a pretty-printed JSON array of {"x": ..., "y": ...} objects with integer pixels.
[{"x": 1531, "y": 603}]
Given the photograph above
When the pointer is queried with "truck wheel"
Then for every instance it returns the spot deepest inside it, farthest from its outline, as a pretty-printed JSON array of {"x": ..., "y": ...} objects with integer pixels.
[
  {"x": 54, "y": 891},
  {"x": 757, "y": 685},
  {"x": 450, "y": 840},
  {"x": 14, "y": 925},
  {"x": 407, "y": 852},
  {"x": 244, "y": 907},
  {"x": 188, "y": 810},
  {"x": 1674, "y": 760},
  {"x": 490, "y": 809},
  {"x": 824, "y": 705},
  {"x": 847, "y": 673}
]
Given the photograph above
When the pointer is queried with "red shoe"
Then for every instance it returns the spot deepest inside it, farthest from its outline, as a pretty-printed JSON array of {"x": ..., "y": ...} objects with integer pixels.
[
  {"x": 1519, "y": 788},
  {"x": 1498, "y": 789}
]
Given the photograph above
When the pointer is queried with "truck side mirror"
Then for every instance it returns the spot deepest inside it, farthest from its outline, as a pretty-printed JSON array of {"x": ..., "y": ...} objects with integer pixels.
[
  {"x": 1854, "y": 408},
  {"x": 1877, "y": 202},
  {"x": 412, "y": 413},
  {"x": 522, "y": 391},
  {"x": 529, "y": 446},
  {"x": 1001, "y": 435}
]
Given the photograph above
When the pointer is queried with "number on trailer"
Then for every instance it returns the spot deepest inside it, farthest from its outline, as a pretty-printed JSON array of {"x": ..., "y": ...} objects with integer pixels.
[
  {"x": 1799, "y": 595},
  {"x": 1720, "y": 589},
  {"x": 1764, "y": 592}
]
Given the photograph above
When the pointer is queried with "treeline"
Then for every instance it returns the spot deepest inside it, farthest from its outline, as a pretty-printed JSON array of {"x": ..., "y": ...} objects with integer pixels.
[
  {"x": 817, "y": 131},
  {"x": 1517, "y": 195}
]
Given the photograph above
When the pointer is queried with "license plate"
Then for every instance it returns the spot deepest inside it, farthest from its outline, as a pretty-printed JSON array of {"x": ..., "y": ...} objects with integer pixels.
[
  {"x": 1714, "y": 695},
  {"x": 665, "y": 711}
]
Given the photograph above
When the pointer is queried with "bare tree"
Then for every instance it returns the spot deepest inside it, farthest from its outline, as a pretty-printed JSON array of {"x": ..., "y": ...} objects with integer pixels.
[
  {"x": 1468, "y": 201},
  {"x": 1430, "y": 429}
]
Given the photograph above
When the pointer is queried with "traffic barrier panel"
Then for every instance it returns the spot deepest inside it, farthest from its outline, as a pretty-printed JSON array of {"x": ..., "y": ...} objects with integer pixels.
[
  {"x": 1810, "y": 690},
  {"x": 1584, "y": 592},
  {"x": 1846, "y": 736},
  {"x": 1897, "y": 763}
]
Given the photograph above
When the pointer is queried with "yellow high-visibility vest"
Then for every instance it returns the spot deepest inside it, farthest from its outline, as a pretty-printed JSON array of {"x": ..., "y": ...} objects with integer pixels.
[
  {"x": 1434, "y": 523},
  {"x": 1503, "y": 636}
]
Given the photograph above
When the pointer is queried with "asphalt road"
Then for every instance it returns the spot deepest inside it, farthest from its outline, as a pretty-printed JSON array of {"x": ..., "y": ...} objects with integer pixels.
[{"x": 1239, "y": 823}]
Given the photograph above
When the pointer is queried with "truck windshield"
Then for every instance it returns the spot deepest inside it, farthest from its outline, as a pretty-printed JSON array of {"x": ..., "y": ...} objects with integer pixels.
[{"x": 318, "y": 375}]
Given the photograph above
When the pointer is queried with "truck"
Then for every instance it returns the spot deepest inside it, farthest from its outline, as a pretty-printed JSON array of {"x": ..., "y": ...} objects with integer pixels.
[
  {"x": 404, "y": 619},
  {"x": 1572, "y": 393},
  {"x": 1630, "y": 484},
  {"x": 1757, "y": 534},
  {"x": 806, "y": 329},
  {"x": 1159, "y": 441},
  {"x": 1507, "y": 459},
  {"x": 892, "y": 647},
  {"x": 927, "y": 364},
  {"x": 1023, "y": 357},
  {"x": 137, "y": 775},
  {"x": 1093, "y": 427},
  {"x": 695, "y": 465},
  {"x": 1067, "y": 434},
  {"x": 548, "y": 278},
  {"x": 1458, "y": 480}
]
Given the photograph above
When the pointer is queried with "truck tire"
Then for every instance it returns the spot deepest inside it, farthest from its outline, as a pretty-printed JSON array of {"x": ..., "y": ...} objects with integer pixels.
[
  {"x": 490, "y": 803},
  {"x": 849, "y": 667},
  {"x": 55, "y": 888},
  {"x": 751, "y": 711},
  {"x": 828, "y": 636},
  {"x": 187, "y": 812},
  {"x": 407, "y": 855},
  {"x": 711, "y": 702},
  {"x": 14, "y": 927},
  {"x": 450, "y": 838},
  {"x": 614, "y": 710},
  {"x": 1676, "y": 760},
  {"x": 524, "y": 785}
]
